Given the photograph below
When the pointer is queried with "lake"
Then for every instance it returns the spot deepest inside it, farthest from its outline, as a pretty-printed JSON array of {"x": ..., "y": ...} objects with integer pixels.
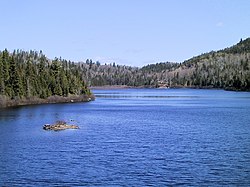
[{"x": 130, "y": 137}]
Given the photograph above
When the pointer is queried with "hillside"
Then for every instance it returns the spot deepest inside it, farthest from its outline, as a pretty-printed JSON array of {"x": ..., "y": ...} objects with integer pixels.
[{"x": 227, "y": 69}]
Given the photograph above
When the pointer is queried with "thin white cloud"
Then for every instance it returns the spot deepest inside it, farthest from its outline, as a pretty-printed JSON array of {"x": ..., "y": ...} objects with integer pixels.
[{"x": 219, "y": 24}]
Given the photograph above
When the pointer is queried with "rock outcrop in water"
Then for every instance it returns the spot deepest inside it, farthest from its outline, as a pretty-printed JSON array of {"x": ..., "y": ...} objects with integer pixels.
[{"x": 60, "y": 125}]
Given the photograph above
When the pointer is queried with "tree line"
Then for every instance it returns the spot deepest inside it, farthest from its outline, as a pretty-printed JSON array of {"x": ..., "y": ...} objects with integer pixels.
[
  {"x": 227, "y": 69},
  {"x": 32, "y": 74}
]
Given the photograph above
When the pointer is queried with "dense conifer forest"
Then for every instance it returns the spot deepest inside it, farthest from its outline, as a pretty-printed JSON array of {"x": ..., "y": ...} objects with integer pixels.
[{"x": 31, "y": 75}]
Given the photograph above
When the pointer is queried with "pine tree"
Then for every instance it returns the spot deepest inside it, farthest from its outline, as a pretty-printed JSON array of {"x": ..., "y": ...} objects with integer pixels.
[
  {"x": 2, "y": 85},
  {"x": 14, "y": 80}
]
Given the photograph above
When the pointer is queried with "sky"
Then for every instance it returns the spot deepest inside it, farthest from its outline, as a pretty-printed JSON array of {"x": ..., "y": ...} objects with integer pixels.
[{"x": 128, "y": 32}]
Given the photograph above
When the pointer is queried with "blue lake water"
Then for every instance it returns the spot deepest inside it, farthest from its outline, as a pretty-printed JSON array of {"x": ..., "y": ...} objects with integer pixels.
[{"x": 130, "y": 137}]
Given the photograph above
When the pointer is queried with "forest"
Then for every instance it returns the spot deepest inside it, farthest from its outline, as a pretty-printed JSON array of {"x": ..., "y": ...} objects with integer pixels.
[
  {"x": 225, "y": 69},
  {"x": 31, "y": 75}
]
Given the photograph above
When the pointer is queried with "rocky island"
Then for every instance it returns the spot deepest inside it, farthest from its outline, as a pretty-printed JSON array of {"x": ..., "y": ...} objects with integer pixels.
[{"x": 59, "y": 125}]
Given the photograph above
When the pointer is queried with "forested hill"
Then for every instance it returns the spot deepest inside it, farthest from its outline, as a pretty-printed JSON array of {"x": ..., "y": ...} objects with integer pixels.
[
  {"x": 227, "y": 69},
  {"x": 29, "y": 77}
]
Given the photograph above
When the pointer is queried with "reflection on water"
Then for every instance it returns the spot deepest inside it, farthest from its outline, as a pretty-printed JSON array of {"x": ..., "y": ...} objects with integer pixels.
[
  {"x": 130, "y": 137},
  {"x": 141, "y": 96}
]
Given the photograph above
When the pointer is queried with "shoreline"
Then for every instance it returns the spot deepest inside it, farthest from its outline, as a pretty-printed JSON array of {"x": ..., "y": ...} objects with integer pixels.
[
  {"x": 114, "y": 87},
  {"x": 8, "y": 103},
  {"x": 107, "y": 87}
]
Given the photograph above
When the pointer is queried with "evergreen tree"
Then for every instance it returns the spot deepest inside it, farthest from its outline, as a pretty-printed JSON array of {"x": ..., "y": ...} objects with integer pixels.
[
  {"x": 14, "y": 81},
  {"x": 31, "y": 74}
]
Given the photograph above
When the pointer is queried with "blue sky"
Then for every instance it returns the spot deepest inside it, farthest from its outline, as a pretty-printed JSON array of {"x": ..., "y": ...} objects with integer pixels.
[{"x": 130, "y": 32}]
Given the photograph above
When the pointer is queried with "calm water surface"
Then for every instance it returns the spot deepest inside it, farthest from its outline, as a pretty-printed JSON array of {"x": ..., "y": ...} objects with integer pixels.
[{"x": 133, "y": 137}]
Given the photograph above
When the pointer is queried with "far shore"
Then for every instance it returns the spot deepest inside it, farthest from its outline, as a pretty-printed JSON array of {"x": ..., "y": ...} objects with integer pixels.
[
  {"x": 6, "y": 103},
  {"x": 113, "y": 87},
  {"x": 108, "y": 87}
]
